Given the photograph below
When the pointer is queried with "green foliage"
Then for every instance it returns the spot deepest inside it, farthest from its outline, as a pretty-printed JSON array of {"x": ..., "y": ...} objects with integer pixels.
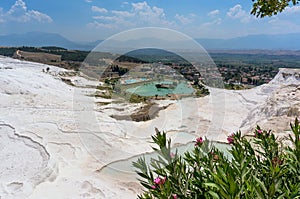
[
  {"x": 6, "y": 51},
  {"x": 201, "y": 91},
  {"x": 133, "y": 98},
  {"x": 256, "y": 167},
  {"x": 152, "y": 55},
  {"x": 256, "y": 62},
  {"x": 125, "y": 58},
  {"x": 232, "y": 86},
  {"x": 121, "y": 71},
  {"x": 67, "y": 55},
  {"x": 108, "y": 87},
  {"x": 263, "y": 8},
  {"x": 53, "y": 48}
]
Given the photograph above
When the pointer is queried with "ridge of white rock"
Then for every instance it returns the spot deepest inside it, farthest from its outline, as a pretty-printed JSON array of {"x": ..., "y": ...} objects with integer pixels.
[
  {"x": 57, "y": 142},
  {"x": 281, "y": 106}
]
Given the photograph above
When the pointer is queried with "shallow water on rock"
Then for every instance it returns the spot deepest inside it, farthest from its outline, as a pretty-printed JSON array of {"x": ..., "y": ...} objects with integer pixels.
[{"x": 123, "y": 169}]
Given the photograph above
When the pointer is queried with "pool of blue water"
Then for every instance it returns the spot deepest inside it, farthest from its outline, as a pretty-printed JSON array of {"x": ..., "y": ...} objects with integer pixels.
[{"x": 149, "y": 89}]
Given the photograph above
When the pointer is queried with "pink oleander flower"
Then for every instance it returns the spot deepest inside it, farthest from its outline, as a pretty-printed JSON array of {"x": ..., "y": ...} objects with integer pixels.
[
  {"x": 259, "y": 131},
  {"x": 174, "y": 196},
  {"x": 153, "y": 187},
  {"x": 199, "y": 141},
  {"x": 230, "y": 138},
  {"x": 159, "y": 181}
]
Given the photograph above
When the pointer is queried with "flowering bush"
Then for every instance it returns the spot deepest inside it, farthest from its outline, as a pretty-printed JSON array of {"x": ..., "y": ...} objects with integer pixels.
[{"x": 256, "y": 167}]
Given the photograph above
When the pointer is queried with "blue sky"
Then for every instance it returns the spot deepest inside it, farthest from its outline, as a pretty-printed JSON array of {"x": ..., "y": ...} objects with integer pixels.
[{"x": 89, "y": 20}]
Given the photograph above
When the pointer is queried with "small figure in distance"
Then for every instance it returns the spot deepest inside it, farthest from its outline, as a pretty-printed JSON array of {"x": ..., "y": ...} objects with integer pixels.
[{"x": 47, "y": 69}]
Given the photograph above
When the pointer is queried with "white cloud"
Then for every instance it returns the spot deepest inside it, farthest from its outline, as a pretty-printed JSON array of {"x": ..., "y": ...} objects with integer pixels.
[
  {"x": 292, "y": 10},
  {"x": 125, "y": 3},
  {"x": 283, "y": 26},
  {"x": 213, "y": 13},
  {"x": 107, "y": 18},
  {"x": 184, "y": 20},
  {"x": 153, "y": 15},
  {"x": 214, "y": 22},
  {"x": 237, "y": 12},
  {"x": 19, "y": 12},
  {"x": 141, "y": 6},
  {"x": 143, "y": 9},
  {"x": 98, "y": 9},
  {"x": 122, "y": 13},
  {"x": 88, "y": 1},
  {"x": 38, "y": 16},
  {"x": 137, "y": 15},
  {"x": 18, "y": 7},
  {"x": 99, "y": 25}
]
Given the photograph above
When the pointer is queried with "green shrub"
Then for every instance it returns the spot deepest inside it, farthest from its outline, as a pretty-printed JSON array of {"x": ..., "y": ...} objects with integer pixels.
[
  {"x": 133, "y": 98},
  {"x": 257, "y": 167}
]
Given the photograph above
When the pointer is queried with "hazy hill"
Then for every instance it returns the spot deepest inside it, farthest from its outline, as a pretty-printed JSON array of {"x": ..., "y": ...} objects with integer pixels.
[
  {"x": 38, "y": 39},
  {"x": 270, "y": 42}
]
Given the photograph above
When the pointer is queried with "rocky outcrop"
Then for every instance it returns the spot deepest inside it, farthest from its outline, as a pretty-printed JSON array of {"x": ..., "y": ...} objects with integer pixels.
[{"x": 281, "y": 106}]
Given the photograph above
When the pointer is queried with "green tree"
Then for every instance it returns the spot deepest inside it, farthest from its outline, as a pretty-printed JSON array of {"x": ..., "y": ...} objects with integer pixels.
[{"x": 263, "y": 8}]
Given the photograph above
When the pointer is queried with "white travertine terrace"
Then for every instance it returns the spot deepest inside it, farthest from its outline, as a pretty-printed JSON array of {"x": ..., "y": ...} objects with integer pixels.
[{"x": 44, "y": 153}]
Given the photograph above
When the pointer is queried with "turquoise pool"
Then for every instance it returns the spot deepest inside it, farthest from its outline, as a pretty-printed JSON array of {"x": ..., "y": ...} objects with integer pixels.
[{"x": 149, "y": 89}]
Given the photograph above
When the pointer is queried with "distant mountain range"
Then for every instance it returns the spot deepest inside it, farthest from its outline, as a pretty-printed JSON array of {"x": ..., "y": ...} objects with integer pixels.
[
  {"x": 38, "y": 39},
  {"x": 269, "y": 42}
]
